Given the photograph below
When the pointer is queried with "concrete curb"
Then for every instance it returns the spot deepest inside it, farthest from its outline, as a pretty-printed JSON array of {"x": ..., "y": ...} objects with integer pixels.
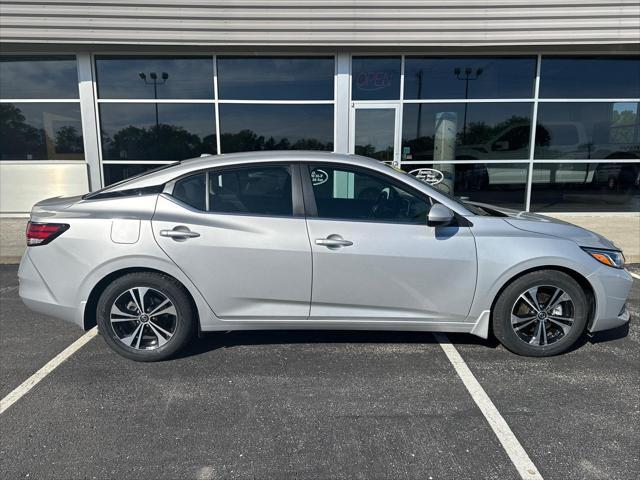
[{"x": 9, "y": 260}]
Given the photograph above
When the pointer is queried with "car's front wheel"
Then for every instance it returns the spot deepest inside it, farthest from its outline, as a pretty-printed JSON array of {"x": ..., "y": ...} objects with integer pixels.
[
  {"x": 145, "y": 316},
  {"x": 540, "y": 314}
]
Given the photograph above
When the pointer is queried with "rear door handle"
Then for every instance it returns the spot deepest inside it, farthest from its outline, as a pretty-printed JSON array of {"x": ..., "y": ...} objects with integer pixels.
[
  {"x": 333, "y": 241},
  {"x": 179, "y": 233}
]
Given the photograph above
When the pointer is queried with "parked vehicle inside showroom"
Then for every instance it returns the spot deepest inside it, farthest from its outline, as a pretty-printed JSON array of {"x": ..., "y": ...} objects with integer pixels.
[{"x": 312, "y": 240}]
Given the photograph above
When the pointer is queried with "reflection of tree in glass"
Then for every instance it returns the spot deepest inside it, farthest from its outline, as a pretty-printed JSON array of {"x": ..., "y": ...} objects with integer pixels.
[
  {"x": 477, "y": 134},
  {"x": 68, "y": 140},
  {"x": 370, "y": 151},
  {"x": 247, "y": 140},
  {"x": 18, "y": 138},
  {"x": 624, "y": 126},
  {"x": 164, "y": 142}
]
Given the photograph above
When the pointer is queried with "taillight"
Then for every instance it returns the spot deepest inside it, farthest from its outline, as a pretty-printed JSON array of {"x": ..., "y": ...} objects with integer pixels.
[{"x": 43, "y": 233}]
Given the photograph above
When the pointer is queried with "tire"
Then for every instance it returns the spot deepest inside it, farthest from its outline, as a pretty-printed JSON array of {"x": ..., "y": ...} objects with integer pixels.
[
  {"x": 547, "y": 334},
  {"x": 138, "y": 336}
]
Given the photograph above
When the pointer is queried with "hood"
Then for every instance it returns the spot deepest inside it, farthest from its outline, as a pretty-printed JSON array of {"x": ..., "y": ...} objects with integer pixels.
[{"x": 533, "y": 222}]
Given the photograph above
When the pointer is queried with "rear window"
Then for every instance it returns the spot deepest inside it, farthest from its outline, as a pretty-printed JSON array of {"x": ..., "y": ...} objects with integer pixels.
[{"x": 107, "y": 192}]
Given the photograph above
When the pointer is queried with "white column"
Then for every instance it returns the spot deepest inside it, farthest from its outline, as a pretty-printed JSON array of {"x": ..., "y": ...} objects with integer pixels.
[
  {"x": 89, "y": 120},
  {"x": 342, "y": 92}
]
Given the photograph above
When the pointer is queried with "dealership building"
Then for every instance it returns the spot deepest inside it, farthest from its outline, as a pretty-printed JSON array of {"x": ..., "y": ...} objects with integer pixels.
[{"x": 527, "y": 104}]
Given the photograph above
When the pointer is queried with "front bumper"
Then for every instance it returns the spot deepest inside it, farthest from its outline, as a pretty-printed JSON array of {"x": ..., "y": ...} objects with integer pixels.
[
  {"x": 37, "y": 296},
  {"x": 611, "y": 287}
]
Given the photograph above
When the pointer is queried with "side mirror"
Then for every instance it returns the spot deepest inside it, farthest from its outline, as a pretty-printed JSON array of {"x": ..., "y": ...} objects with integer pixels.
[{"x": 439, "y": 215}]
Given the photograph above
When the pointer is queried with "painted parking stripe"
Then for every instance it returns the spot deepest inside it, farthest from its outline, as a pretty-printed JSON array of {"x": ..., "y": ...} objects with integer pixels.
[
  {"x": 510, "y": 443},
  {"x": 34, "y": 379},
  {"x": 8, "y": 289},
  {"x": 634, "y": 275}
]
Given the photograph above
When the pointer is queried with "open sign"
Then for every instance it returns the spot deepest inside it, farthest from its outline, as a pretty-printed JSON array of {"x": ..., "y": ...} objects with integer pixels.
[
  {"x": 374, "y": 80},
  {"x": 428, "y": 175}
]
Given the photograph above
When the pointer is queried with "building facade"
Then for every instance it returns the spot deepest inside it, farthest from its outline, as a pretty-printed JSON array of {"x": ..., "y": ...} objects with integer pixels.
[{"x": 532, "y": 105}]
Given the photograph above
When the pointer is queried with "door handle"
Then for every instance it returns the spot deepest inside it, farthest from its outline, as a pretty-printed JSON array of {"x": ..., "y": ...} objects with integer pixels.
[
  {"x": 333, "y": 241},
  {"x": 179, "y": 233}
]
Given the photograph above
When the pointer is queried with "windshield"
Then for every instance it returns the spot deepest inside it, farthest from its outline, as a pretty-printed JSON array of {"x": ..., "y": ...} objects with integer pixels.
[{"x": 472, "y": 208}]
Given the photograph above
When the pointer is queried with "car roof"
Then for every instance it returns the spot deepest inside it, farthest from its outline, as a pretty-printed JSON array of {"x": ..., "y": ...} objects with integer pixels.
[{"x": 171, "y": 172}]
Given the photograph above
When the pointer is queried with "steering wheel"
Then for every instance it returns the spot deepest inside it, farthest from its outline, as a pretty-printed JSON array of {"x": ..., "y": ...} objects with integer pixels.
[{"x": 386, "y": 203}]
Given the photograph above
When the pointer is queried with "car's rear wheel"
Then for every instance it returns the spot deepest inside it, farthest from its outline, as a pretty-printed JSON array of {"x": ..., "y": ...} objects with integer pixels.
[
  {"x": 145, "y": 316},
  {"x": 540, "y": 314}
]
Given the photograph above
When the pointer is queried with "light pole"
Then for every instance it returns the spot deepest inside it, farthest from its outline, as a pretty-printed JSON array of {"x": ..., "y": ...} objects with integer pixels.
[
  {"x": 153, "y": 80},
  {"x": 468, "y": 75},
  {"x": 419, "y": 75}
]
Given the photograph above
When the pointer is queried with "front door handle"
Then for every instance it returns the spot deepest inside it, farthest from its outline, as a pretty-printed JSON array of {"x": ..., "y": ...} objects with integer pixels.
[
  {"x": 179, "y": 233},
  {"x": 333, "y": 241}
]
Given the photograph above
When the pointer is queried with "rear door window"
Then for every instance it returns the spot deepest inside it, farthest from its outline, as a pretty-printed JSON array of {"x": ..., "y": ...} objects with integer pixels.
[{"x": 247, "y": 190}]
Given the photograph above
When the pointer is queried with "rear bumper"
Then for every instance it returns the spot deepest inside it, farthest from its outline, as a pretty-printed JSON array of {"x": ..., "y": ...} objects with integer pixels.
[
  {"x": 611, "y": 287},
  {"x": 37, "y": 296}
]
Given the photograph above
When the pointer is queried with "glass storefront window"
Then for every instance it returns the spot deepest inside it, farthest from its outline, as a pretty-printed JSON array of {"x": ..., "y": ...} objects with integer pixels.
[
  {"x": 275, "y": 127},
  {"x": 150, "y": 77},
  {"x": 590, "y": 77},
  {"x": 466, "y": 131},
  {"x": 375, "y": 78},
  {"x": 276, "y": 78},
  {"x": 116, "y": 172},
  {"x": 468, "y": 77},
  {"x": 586, "y": 187},
  {"x": 588, "y": 130},
  {"x": 41, "y": 131},
  {"x": 31, "y": 76},
  {"x": 374, "y": 134},
  {"x": 164, "y": 131},
  {"x": 500, "y": 184}
]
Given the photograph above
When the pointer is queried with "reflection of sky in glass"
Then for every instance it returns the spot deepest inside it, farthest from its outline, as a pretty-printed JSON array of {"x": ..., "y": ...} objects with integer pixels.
[
  {"x": 500, "y": 77},
  {"x": 195, "y": 118},
  {"x": 189, "y": 77},
  {"x": 48, "y": 77},
  {"x": 489, "y": 114},
  {"x": 375, "y": 127},
  {"x": 586, "y": 130},
  {"x": 375, "y": 78},
  {"x": 590, "y": 77},
  {"x": 293, "y": 122},
  {"x": 275, "y": 78},
  {"x": 626, "y": 106}
]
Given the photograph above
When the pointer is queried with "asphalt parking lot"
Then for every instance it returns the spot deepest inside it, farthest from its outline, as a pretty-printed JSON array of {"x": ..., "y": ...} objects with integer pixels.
[{"x": 312, "y": 405}]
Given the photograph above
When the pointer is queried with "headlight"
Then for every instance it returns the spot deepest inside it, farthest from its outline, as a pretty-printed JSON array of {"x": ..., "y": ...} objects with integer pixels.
[{"x": 611, "y": 258}]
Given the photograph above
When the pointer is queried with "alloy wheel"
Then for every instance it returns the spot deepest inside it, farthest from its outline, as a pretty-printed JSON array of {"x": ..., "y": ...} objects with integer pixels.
[
  {"x": 143, "y": 318},
  {"x": 542, "y": 315}
]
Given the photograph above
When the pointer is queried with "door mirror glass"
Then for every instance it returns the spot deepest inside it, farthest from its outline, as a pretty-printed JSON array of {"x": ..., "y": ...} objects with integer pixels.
[{"x": 439, "y": 215}]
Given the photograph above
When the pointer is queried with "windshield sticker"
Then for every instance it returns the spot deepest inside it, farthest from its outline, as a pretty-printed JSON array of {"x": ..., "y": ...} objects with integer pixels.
[
  {"x": 318, "y": 177},
  {"x": 428, "y": 175}
]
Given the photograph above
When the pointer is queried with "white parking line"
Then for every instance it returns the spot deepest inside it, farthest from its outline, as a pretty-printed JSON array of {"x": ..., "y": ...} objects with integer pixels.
[
  {"x": 9, "y": 289},
  {"x": 510, "y": 443},
  {"x": 34, "y": 379},
  {"x": 634, "y": 275}
]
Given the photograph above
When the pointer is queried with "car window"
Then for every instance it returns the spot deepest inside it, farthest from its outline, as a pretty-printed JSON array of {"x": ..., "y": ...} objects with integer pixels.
[
  {"x": 191, "y": 191},
  {"x": 250, "y": 190},
  {"x": 346, "y": 194}
]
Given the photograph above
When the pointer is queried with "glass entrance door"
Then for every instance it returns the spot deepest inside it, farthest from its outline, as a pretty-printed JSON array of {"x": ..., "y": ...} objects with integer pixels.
[{"x": 374, "y": 131}]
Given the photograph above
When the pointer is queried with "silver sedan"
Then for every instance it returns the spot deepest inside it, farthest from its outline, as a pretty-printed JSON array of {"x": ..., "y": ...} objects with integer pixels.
[{"x": 304, "y": 240}]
